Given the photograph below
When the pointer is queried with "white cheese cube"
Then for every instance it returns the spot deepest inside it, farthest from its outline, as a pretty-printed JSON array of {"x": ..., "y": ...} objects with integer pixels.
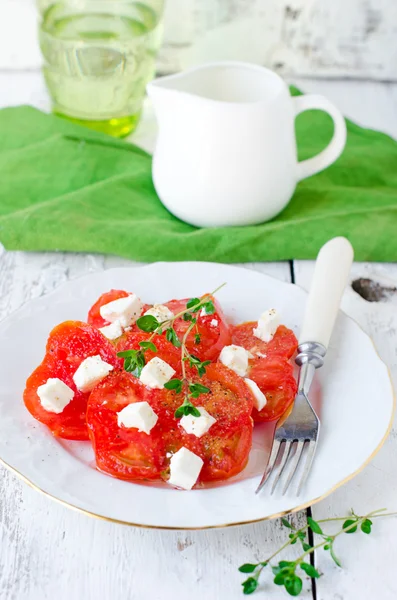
[
  {"x": 214, "y": 323},
  {"x": 126, "y": 310},
  {"x": 185, "y": 468},
  {"x": 54, "y": 395},
  {"x": 91, "y": 371},
  {"x": 259, "y": 397},
  {"x": 161, "y": 313},
  {"x": 156, "y": 373},
  {"x": 138, "y": 415},
  {"x": 112, "y": 331},
  {"x": 267, "y": 325},
  {"x": 197, "y": 426},
  {"x": 236, "y": 358}
]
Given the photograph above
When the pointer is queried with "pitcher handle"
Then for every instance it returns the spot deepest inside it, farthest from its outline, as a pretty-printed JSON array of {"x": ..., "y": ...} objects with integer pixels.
[{"x": 326, "y": 157}]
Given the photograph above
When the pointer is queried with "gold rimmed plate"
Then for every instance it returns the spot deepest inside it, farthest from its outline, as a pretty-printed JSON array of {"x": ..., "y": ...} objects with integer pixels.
[{"x": 356, "y": 404}]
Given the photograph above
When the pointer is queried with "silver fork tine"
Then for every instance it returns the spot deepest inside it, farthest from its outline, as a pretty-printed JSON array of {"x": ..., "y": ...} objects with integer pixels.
[
  {"x": 294, "y": 464},
  {"x": 309, "y": 459},
  {"x": 270, "y": 464},
  {"x": 287, "y": 450}
]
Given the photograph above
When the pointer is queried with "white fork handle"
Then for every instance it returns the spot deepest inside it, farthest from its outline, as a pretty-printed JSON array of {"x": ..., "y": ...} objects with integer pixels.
[{"x": 329, "y": 281}]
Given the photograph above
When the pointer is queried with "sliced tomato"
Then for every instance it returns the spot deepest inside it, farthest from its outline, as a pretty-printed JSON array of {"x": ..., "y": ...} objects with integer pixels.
[
  {"x": 165, "y": 350},
  {"x": 94, "y": 315},
  {"x": 270, "y": 367},
  {"x": 213, "y": 330},
  {"x": 283, "y": 344},
  {"x": 274, "y": 376},
  {"x": 226, "y": 446},
  {"x": 121, "y": 452},
  {"x": 129, "y": 454},
  {"x": 71, "y": 423},
  {"x": 68, "y": 345}
]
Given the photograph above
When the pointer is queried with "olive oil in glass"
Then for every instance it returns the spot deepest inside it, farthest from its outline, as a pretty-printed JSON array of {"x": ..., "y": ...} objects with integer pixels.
[{"x": 98, "y": 57}]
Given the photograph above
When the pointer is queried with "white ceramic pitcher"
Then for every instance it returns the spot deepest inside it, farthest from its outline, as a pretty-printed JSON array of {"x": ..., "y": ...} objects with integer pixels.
[{"x": 226, "y": 150}]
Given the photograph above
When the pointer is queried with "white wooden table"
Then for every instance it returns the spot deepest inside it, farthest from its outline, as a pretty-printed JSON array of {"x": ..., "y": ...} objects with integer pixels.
[{"x": 48, "y": 551}]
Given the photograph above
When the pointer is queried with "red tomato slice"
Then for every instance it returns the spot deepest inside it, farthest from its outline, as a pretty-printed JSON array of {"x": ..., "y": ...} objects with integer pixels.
[
  {"x": 213, "y": 330},
  {"x": 274, "y": 376},
  {"x": 94, "y": 316},
  {"x": 283, "y": 344},
  {"x": 125, "y": 453},
  {"x": 71, "y": 423},
  {"x": 270, "y": 368},
  {"x": 129, "y": 454},
  {"x": 226, "y": 446},
  {"x": 165, "y": 350},
  {"x": 68, "y": 345}
]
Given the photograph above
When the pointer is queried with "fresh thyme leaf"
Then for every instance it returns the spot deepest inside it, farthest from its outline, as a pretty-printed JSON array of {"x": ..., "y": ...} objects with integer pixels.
[
  {"x": 209, "y": 308},
  {"x": 196, "y": 389},
  {"x": 193, "y": 302},
  {"x": 306, "y": 546},
  {"x": 134, "y": 361},
  {"x": 279, "y": 578},
  {"x": 293, "y": 538},
  {"x": 366, "y": 526},
  {"x": 148, "y": 346},
  {"x": 286, "y": 523},
  {"x": 187, "y": 317},
  {"x": 148, "y": 323},
  {"x": 349, "y": 523},
  {"x": 174, "y": 384},
  {"x": 314, "y": 526},
  {"x": 173, "y": 338},
  {"x": 201, "y": 367},
  {"x": 293, "y": 585},
  {"x": 309, "y": 570},
  {"x": 193, "y": 360},
  {"x": 187, "y": 408},
  {"x": 127, "y": 353},
  {"x": 197, "y": 338},
  {"x": 247, "y": 568},
  {"x": 249, "y": 585}
]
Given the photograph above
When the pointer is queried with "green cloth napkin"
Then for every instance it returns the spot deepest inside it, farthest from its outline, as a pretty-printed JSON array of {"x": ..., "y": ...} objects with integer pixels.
[{"x": 64, "y": 187}]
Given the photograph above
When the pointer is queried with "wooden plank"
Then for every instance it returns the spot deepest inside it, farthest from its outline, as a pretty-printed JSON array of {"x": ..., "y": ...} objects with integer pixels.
[
  {"x": 49, "y": 550},
  {"x": 368, "y": 561}
]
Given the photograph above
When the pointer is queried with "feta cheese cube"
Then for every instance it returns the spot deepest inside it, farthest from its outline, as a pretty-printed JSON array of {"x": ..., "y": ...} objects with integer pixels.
[
  {"x": 259, "y": 397},
  {"x": 161, "y": 313},
  {"x": 197, "y": 426},
  {"x": 214, "y": 323},
  {"x": 91, "y": 371},
  {"x": 112, "y": 331},
  {"x": 126, "y": 310},
  {"x": 54, "y": 395},
  {"x": 236, "y": 358},
  {"x": 185, "y": 468},
  {"x": 138, "y": 415},
  {"x": 267, "y": 325},
  {"x": 156, "y": 373}
]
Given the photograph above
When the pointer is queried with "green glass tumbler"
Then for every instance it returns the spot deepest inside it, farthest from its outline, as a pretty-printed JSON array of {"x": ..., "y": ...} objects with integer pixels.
[{"x": 98, "y": 57}]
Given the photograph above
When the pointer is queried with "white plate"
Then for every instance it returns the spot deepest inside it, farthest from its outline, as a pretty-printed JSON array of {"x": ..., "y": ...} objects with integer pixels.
[{"x": 356, "y": 410}]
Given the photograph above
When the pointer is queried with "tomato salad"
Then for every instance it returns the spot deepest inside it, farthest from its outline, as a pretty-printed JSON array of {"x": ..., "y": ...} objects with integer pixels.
[{"x": 164, "y": 392}]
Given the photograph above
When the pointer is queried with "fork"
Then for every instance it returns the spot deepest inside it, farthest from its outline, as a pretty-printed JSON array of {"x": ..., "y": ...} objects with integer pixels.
[{"x": 298, "y": 434}]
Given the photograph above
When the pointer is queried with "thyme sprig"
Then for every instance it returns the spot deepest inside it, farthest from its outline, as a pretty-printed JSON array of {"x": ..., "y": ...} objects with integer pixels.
[
  {"x": 286, "y": 573},
  {"x": 135, "y": 360}
]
